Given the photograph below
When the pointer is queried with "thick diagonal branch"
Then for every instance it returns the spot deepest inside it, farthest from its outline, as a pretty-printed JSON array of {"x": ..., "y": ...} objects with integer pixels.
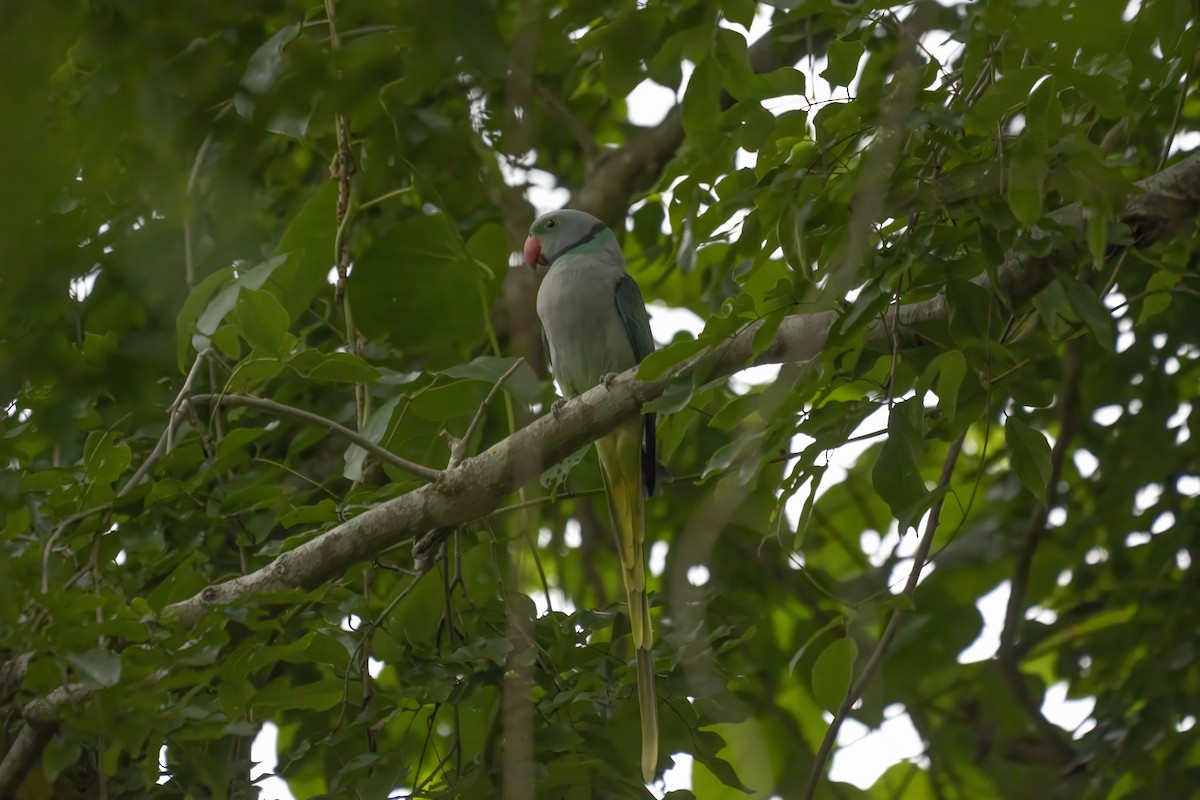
[{"x": 476, "y": 487}]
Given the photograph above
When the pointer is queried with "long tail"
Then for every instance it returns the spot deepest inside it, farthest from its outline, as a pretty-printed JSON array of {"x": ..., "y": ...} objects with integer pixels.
[{"x": 620, "y": 464}]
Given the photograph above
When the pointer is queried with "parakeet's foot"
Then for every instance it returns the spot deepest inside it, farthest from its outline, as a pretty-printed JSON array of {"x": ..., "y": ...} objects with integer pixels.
[
  {"x": 606, "y": 380},
  {"x": 557, "y": 406}
]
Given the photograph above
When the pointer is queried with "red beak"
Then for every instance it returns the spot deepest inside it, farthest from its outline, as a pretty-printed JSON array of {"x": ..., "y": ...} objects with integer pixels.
[{"x": 533, "y": 251}]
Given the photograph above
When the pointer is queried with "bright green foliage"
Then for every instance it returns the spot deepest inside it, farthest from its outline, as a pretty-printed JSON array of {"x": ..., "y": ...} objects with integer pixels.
[{"x": 179, "y": 156}]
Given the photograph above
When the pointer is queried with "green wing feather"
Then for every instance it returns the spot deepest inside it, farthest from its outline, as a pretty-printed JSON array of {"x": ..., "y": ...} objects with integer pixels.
[{"x": 631, "y": 308}]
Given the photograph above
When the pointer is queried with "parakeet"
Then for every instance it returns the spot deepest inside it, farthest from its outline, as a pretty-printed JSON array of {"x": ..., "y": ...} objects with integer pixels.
[{"x": 594, "y": 325}]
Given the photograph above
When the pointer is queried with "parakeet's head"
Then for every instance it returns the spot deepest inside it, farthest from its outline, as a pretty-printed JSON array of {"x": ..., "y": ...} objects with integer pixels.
[{"x": 557, "y": 232}]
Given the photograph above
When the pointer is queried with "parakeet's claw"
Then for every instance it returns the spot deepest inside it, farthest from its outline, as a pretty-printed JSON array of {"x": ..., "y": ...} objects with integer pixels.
[
  {"x": 557, "y": 406},
  {"x": 606, "y": 380}
]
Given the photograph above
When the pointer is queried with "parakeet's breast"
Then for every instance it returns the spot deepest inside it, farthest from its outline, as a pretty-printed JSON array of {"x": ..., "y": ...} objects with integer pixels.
[{"x": 577, "y": 306}]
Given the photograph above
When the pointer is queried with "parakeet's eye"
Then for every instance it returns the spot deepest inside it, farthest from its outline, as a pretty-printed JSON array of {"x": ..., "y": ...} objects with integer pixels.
[{"x": 550, "y": 223}]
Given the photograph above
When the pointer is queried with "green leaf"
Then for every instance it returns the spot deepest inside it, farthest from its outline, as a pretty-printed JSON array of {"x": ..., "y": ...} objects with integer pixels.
[
  {"x": 833, "y": 672},
  {"x": 252, "y": 373},
  {"x": 98, "y": 667},
  {"x": 676, "y": 397},
  {"x": 1097, "y": 238},
  {"x": 783, "y": 81},
  {"x": 1088, "y": 307},
  {"x": 307, "y": 245},
  {"x": 333, "y": 367},
  {"x": 658, "y": 362},
  {"x": 419, "y": 288},
  {"x": 522, "y": 384},
  {"x": 60, "y": 753},
  {"x": 740, "y": 80},
  {"x": 897, "y": 473},
  {"x": 103, "y": 459},
  {"x": 701, "y": 100},
  {"x": 189, "y": 315},
  {"x": 707, "y": 745},
  {"x": 375, "y": 429},
  {"x": 488, "y": 648},
  {"x": 1027, "y": 167},
  {"x": 1158, "y": 294},
  {"x": 225, "y": 300},
  {"x": 262, "y": 321},
  {"x": 806, "y": 511},
  {"x": 950, "y": 368},
  {"x": 1030, "y": 455},
  {"x": 814, "y": 636},
  {"x": 322, "y": 512},
  {"x": 1008, "y": 93},
  {"x": 557, "y": 474},
  {"x": 843, "y": 58}
]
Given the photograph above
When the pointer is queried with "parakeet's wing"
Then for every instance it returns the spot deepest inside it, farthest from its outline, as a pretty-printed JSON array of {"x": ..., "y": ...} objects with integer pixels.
[
  {"x": 546, "y": 349},
  {"x": 632, "y": 310}
]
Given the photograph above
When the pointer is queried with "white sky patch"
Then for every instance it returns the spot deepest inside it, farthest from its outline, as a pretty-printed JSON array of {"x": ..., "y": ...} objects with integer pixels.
[
  {"x": 82, "y": 286},
  {"x": 992, "y": 607},
  {"x": 572, "y": 534},
  {"x": 265, "y": 755},
  {"x": 1066, "y": 714},
  {"x": 1086, "y": 463},
  {"x": 657, "y": 563},
  {"x": 1107, "y": 415},
  {"x": 904, "y": 567},
  {"x": 1138, "y": 538},
  {"x": 758, "y": 26},
  {"x": 164, "y": 774},
  {"x": 1164, "y": 523},
  {"x": 541, "y": 189},
  {"x": 1185, "y": 142},
  {"x": 558, "y": 600},
  {"x": 745, "y": 380},
  {"x": 649, "y": 103},
  {"x": 679, "y": 776},
  {"x": 1045, "y": 616},
  {"x": 665, "y": 322},
  {"x": 863, "y": 755},
  {"x": 839, "y": 460},
  {"x": 1147, "y": 497}
]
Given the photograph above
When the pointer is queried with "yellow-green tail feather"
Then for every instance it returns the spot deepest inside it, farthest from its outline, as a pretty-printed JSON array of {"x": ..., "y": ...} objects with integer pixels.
[{"x": 620, "y": 464}]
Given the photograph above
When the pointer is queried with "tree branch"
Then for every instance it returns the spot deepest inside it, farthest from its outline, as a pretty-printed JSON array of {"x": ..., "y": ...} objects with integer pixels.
[
  {"x": 1170, "y": 199},
  {"x": 889, "y": 633},
  {"x": 411, "y": 467}
]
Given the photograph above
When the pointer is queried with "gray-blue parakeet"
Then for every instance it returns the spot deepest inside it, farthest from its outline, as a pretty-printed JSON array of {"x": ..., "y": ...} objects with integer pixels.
[{"x": 594, "y": 324}]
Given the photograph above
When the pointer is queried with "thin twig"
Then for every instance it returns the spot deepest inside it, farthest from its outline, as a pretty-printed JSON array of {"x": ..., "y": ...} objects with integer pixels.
[
  {"x": 1183, "y": 92},
  {"x": 889, "y": 633},
  {"x": 174, "y": 411},
  {"x": 458, "y": 447},
  {"x": 189, "y": 264},
  {"x": 549, "y": 498},
  {"x": 419, "y": 470},
  {"x": 340, "y": 170}
]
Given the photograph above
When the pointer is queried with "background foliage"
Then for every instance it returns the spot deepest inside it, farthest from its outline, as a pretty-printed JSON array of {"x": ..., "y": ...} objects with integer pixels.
[{"x": 170, "y": 229}]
